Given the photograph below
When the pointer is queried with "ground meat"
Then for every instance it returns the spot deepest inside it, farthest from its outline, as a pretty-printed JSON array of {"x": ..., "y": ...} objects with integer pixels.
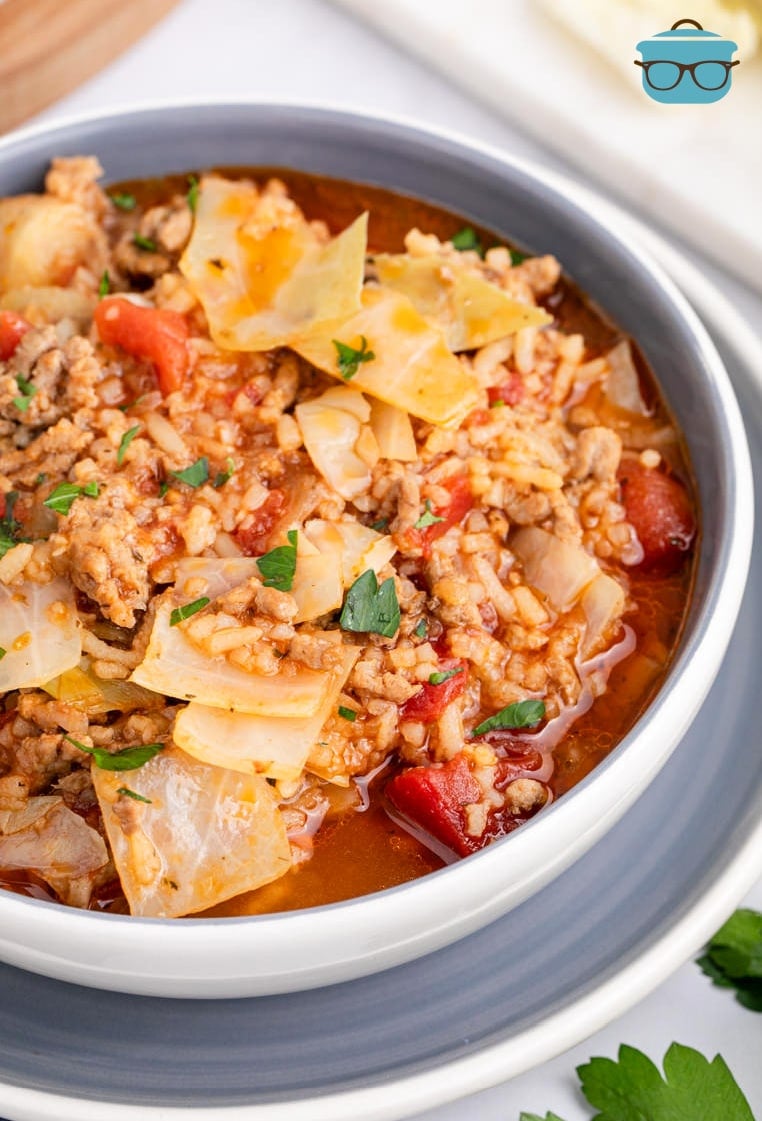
[
  {"x": 540, "y": 273},
  {"x": 598, "y": 453},
  {"x": 74, "y": 179},
  {"x": 36, "y": 756},
  {"x": 56, "y": 450},
  {"x": 55, "y": 380}
]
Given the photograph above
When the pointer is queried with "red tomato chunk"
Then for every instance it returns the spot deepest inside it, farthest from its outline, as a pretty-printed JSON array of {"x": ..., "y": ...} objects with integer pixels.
[
  {"x": 435, "y": 798},
  {"x": 254, "y": 534},
  {"x": 429, "y": 704},
  {"x": 461, "y": 501},
  {"x": 509, "y": 393},
  {"x": 155, "y": 335},
  {"x": 659, "y": 509},
  {"x": 12, "y": 330}
]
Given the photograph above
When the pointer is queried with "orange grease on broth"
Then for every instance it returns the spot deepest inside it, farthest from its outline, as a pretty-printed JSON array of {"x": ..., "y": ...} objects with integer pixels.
[{"x": 358, "y": 853}]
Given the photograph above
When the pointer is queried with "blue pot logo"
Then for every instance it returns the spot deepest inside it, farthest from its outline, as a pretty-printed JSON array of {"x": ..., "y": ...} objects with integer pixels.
[{"x": 686, "y": 65}]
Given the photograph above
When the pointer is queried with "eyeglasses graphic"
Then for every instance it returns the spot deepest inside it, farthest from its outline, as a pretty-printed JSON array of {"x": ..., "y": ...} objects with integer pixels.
[{"x": 710, "y": 74}]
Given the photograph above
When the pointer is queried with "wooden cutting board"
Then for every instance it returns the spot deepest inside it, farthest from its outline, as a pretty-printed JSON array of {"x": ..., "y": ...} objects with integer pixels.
[{"x": 48, "y": 47}]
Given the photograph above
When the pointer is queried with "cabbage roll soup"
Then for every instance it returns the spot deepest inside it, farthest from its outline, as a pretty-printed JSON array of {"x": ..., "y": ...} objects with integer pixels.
[{"x": 337, "y": 540}]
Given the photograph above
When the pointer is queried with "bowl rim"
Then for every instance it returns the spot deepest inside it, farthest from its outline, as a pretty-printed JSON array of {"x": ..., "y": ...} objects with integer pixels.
[{"x": 611, "y": 783}]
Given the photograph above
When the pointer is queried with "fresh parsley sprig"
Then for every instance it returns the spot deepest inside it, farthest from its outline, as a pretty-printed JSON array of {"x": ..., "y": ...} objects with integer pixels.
[
  {"x": 186, "y": 610},
  {"x": 128, "y": 759},
  {"x": 195, "y": 475},
  {"x": 369, "y": 608},
  {"x": 125, "y": 442},
  {"x": 467, "y": 239},
  {"x": 521, "y": 714},
  {"x": 279, "y": 565},
  {"x": 62, "y": 498},
  {"x": 733, "y": 958},
  {"x": 427, "y": 518},
  {"x": 351, "y": 358}
]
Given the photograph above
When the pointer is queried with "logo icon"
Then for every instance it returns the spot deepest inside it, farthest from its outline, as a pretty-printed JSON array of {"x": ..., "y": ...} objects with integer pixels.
[{"x": 686, "y": 65}]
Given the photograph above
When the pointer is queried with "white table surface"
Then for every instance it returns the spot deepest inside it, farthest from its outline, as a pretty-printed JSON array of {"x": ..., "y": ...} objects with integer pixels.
[{"x": 310, "y": 51}]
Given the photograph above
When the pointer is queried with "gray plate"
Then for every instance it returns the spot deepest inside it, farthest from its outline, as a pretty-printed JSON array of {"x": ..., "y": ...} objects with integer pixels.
[{"x": 570, "y": 943}]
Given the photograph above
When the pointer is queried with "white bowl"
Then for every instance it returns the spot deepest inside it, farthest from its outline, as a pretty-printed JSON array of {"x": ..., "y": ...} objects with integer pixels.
[{"x": 305, "y": 949}]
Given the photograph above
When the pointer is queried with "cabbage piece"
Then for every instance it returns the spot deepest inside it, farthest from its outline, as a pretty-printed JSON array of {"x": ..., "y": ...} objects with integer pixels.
[
  {"x": 206, "y": 835},
  {"x": 272, "y": 746},
  {"x": 94, "y": 695},
  {"x": 603, "y": 602},
  {"x": 622, "y": 381},
  {"x": 318, "y": 588},
  {"x": 262, "y": 276},
  {"x": 338, "y": 439},
  {"x": 51, "y": 302},
  {"x": 393, "y": 431},
  {"x": 39, "y": 632},
  {"x": 412, "y": 366},
  {"x": 53, "y": 841},
  {"x": 559, "y": 569},
  {"x": 468, "y": 309},
  {"x": 355, "y": 547}
]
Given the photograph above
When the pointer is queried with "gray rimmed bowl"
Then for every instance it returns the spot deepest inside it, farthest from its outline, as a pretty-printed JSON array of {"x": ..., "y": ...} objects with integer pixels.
[{"x": 304, "y": 949}]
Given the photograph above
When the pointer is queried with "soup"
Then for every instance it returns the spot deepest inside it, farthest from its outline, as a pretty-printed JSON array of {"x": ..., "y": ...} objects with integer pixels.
[{"x": 338, "y": 540}]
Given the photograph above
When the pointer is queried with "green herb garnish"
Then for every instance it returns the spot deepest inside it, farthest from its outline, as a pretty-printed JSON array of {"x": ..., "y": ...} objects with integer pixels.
[
  {"x": 125, "y": 442},
  {"x": 422, "y": 628},
  {"x": 370, "y": 608},
  {"x": 516, "y": 257},
  {"x": 3, "y": 652},
  {"x": 146, "y": 243},
  {"x": 124, "y": 200},
  {"x": 466, "y": 239},
  {"x": 444, "y": 675},
  {"x": 350, "y": 359},
  {"x": 192, "y": 196},
  {"x": 222, "y": 476},
  {"x": 188, "y": 609},
  {"x": 380, "y": 525},
  {"x": 105, "y": 285},
  {"x": 134, "y": 795},
  {"x": 498, "y": 404},
  {"x": 195, "y": 475},
  {"x": 279, "y": 565},
  {"x": 9, "y": 527},
  {"x": 40, "y": 478},
  {"x": 62, "y": 498},
  {"x": 427, "y": 518},
  {"x": 521, "y": 714},
  {"x": 163, "y": 488},
  {"x": 348, "y": 713},
  {"x": 27, "y": 391},
  {"x": 128, "y": 759},
  {"x": 733, "y": 958}
]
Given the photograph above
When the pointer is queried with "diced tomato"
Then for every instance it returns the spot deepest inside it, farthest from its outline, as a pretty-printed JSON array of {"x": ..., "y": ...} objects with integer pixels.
[
  {"x": 461, "y": 501},
  {"x": 434, "y": 798},
  {"x": 254, "y": 534},
  {"x": 429, "y": 704},
  {"x": 659, "y": 509},
  {"x": 510, "y": 392},
  {"x": 156, "y": 335},
  {"x": 13, "y": 327}
]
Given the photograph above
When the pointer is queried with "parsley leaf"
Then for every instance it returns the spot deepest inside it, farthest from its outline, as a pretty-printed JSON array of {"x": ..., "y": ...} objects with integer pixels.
[
  {"x": 466, "y": 239},
  {"x": 188, "y": 609},
  {"x": 62, "y": 498},
  {"x": 350, "y": 359},
  {"x": 521, "y": 714},
  {"x": 427, "y": 518},
  {"x": 444, "y": 675},
  {"x": 516, "y": 257},
  {"x": 536, "y": 1117},
  {"x": 370, "y": 608},
  {"x": 134, "y": 795},
  {"x": 279, "y": 565},
  {"x": 421, "y": 629},
  {"x": 348, "y": 713},
  {"x": 733, "y": 958},
  {"x": 125, "y": 442},
  {"x": 380, "y": 525},
  {"x": 27, "y": 391},
  {"x": 195, "y": 475},
  {"x": 146, "y": 243},
  {"x": 9, "y": 527},
  {"x": 105, "y": 284},
  {"x": 124, "y": 201},
  {"x": 128, "y": 759},
  {"x": 632, "y": 1088},
  {"x": 222, "y": 476},
  {"x": 3, "y": 652},
  {"x": 192, "y": 196}
]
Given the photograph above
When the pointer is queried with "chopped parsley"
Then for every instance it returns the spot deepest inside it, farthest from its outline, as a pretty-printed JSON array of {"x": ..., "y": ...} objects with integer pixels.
[
  {"x": 9, "y": 527},
  {"x": 350, "y": 359},
  {"x": 3, "y": 652},
  {"x": 516, "y": 257},
  {"x": 163, "y": 488},
  {"x": 222, "y": 476},
  {"x": 369, "y": 608},
  {"x": 466, "y": 239},
  {"x": 146, "y": 243},
  {"x": 128, "y": 759},
  {"x": 421, "y": 629},
  {"x": 192, "y": 196},
  {"x": 499, "y": 403},
  {"x": 195, "y": 475},
  {"x": 62, "y": 498},
  {"x": 427, "y": 518},
  {"x": 123, "y": 200},
  {"x": 521, "y": 714},
  {"x": 279, "y": 565},
  {"x": 444, "y": 675},
  {"x": 348, "y": 713},
  {"x": 125, "y": 442},
  {"x": 733, "y": 958},
  {"x": 134, "y": 795},
  {"x": 105, "y": 284},
  {"x": 40, "y": 478},
  {"x": 27, "y": 391},
  {"x": 188, "y": 609},
  {"x": 380, "y": 525}
]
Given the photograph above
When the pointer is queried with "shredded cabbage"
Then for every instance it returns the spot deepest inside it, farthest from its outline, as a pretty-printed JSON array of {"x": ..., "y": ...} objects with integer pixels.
[
  {"x": 559, "y": 569},
  {"x": 39, "y": 632},
  {"x": 338, "y": 438}
]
